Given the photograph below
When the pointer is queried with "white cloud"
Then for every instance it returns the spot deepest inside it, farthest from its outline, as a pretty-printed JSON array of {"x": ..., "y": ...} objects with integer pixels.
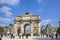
[
  {"x": 45, "y": 21},
  {"x": 3, "y": 25},
  {"x": 5, "y": 19},
  {"x": 40, "y": 10},
  {"x": 9, "y": 2},
  {"x": 6, "y": 10},
  {"x": 39, "y": 1}
]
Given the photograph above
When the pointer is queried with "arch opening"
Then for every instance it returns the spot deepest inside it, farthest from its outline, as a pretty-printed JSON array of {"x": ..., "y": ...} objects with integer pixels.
[
  {"x": 27, "y": 29},
  {"x": 35, "y": 32}
]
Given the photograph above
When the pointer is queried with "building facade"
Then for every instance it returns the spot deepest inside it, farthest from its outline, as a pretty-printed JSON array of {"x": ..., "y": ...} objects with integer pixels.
[
  {"x": 48, "y": 30},
  {"x": 9, "y": 29}
]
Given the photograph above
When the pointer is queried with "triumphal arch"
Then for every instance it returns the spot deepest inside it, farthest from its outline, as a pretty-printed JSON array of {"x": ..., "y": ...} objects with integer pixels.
[{"x": 27, "y": 19}]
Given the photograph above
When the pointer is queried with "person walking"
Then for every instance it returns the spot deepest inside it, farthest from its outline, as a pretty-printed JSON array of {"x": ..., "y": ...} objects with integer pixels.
[
  {"x": 56, "y": 35},
  {"x": 11, "y": 35},
  {"x": 26, "y": 35},
  {"x": 0, "y": 36},
  {"x": 20, "y": 35},
  {"x": 52, "y": 35}
]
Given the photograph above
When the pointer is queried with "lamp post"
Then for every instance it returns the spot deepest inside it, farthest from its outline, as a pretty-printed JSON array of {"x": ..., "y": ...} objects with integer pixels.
[{"x": 59, "y": 23}]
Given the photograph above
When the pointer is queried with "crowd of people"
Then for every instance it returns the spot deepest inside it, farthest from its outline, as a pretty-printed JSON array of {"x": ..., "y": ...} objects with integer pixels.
[
  {"x": 20, "y": 35},
  {"x": 12, "y": 35},
  {"x": 51, "y": 35},
  {"x": 56, "y": 35},
  {"x": 1, "y": 35}
]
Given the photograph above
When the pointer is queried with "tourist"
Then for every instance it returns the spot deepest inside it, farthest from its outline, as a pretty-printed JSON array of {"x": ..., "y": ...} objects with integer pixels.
[
  {"x": 1, "y": 35},
  {"x": 20, "y": 35},
  {"x": 26, "y": 35},
  {"x": 46, "y": 35},
  {"x": 11, "y": 35},
  {"x": 56, "y": 35},
  {"x": 52, "y": 35},
  {"x": 43, "y": 35},
  {"x": 5, "y": 34}
]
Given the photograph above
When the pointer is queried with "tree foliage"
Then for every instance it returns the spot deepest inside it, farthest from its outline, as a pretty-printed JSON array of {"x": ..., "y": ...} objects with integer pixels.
[
  {"x": 58, "y": 30},
  {"x": 1, "y": 29}
]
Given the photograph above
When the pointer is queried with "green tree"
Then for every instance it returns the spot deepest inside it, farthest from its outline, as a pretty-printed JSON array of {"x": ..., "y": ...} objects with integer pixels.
[
  {"x": 1, "y": 29},
  {"x": 58, "y": 30}
]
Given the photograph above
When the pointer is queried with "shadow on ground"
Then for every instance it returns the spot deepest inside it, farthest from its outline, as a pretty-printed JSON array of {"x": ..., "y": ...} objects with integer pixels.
[{"x": 45, "y": 39}]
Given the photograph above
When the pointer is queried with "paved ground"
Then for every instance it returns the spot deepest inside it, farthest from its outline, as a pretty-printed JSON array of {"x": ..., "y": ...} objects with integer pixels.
[
  {"x": 16, "y": 38},
  {"x": 45, "y": 39},
  {"x": 30, "y": 38}
]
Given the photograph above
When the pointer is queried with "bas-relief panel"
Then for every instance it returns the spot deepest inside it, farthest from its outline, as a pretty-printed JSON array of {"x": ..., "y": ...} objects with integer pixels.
[
  {"x": 35, "y": 25},
  {"x": 26, "y": 18},
  {"x": 19, "y": 24},
  {"x": 35, "y": 17},
  {"x": 17, "y": 18}
]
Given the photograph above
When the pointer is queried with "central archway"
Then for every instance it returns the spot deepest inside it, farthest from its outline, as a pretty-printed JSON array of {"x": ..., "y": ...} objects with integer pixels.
[{"x": 27, "y": 29}]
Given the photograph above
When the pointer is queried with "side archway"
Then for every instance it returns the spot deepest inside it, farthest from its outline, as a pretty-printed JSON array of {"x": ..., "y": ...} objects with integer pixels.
[
  {"x": 18, "y": 31},
  {"x": 35, "y": 32}
]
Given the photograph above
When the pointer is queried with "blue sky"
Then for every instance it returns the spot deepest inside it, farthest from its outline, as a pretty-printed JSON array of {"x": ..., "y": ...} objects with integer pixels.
[{"x": 49, "y": 10}]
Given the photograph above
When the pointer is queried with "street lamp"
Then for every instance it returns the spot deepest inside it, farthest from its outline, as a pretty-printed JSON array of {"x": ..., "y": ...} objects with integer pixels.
[{"x": 59, "y": 23}]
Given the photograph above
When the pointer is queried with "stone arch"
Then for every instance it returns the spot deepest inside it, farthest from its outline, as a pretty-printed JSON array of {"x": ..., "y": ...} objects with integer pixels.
[{"x": 27, "y": 19}]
